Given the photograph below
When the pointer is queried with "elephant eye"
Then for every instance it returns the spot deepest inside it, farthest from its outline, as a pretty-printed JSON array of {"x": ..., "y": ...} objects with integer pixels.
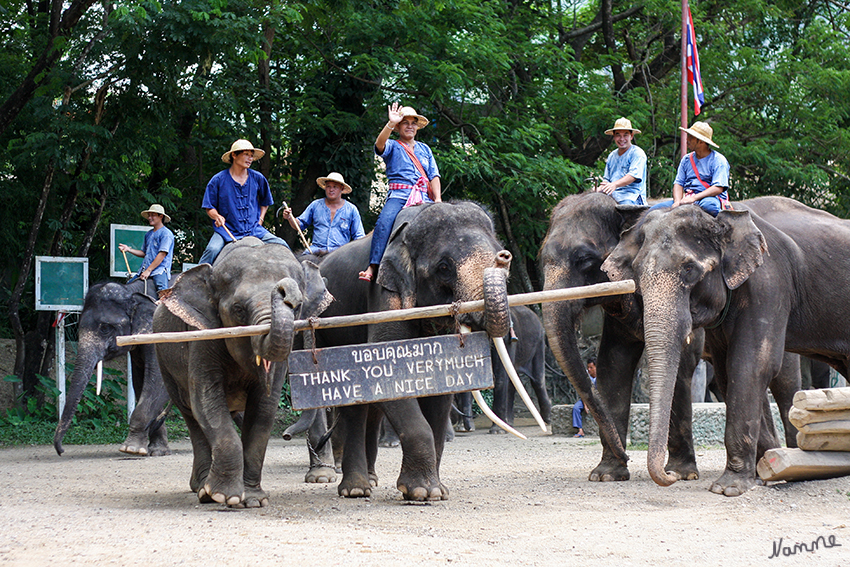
[
  {"x": 238, "y": 311},
  {"x": 691, "y": 272},
  {"x": 444, "y": 269},
  {"x": 105, "y": 329}
]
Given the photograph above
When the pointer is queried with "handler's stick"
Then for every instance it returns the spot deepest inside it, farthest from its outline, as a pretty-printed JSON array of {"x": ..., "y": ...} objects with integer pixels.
[
  {"x": 298, "y": 227},
  {"x": 126, "y": 263},
  {"x": 230, "y": 234}
]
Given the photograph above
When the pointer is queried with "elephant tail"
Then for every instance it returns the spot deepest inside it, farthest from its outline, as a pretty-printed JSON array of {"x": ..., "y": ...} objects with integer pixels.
[{"x": 157, "y": 422}]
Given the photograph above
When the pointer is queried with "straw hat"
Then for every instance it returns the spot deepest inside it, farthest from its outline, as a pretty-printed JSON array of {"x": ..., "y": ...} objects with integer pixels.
[
  {"x": 702, "y": 131},
  {"x": 240, "y": 145},
  {"x": 406, "y": 111},
  {"x": 334, "y": 176},
  {"x": 622, "y": 124},
  {"x": 158, "y": 210}
]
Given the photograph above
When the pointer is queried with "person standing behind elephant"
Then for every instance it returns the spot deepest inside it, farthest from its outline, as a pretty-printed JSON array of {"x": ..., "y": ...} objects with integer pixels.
[
  {"x": 236, "y": 199},
  {"x": 625, "y": 169},
  {"x": 579, "y": 405},
  {"x": 335, "y": 221},
  {"x": 703, "y": 174},
  {"x": 411, "y": 171},
  {"x": 158, "y": 249}
]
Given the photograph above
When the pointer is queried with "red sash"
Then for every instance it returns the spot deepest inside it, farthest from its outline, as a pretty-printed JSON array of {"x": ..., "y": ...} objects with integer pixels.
[
  {"x": 422, "y": 185},
  {"x": 724, "y": 203}
]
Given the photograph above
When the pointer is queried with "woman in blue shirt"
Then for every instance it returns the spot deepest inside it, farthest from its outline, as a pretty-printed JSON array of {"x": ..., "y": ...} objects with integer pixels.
[{"x": 411, "y": 172}]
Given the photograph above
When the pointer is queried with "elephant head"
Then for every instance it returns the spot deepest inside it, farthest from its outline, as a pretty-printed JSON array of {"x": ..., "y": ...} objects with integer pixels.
[
  {"x": 262, "y": 285},
  {"x": 110, "y": 310},
  {"x": 583, "y": 230},
  {"x": 684, "y": 263},
  {"x": 439, "y": 254}
]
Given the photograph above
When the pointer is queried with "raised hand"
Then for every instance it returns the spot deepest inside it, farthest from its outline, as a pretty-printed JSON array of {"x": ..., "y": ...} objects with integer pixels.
[{"x": 393, "y": 114}]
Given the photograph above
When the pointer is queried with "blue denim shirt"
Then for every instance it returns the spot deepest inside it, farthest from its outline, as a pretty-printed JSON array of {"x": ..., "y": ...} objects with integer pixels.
[
  {"x": 330, "y": 235},
  {"x": 713, "y": 169},
  {"x": 238, "y": 204},
  {"x": 157, "y": 241},
  {"x": 400, "y": 168},
  {"x": 633, "y": 163}
]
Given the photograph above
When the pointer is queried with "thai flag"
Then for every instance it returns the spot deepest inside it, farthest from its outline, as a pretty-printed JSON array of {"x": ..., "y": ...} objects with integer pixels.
[{"x": 694, "y": 76}]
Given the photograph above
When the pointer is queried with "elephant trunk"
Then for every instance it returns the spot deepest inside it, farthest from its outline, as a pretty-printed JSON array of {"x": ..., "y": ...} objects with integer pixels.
[
  {"x": 665, "y": 332},
  {"x": 560, "y": 319},
  {"x": 277, "y": 344},
  {"x": 89, "y": 354}
]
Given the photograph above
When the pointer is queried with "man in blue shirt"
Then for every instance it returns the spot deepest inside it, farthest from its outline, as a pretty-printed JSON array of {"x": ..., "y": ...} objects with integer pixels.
[
  {"x": 703, "y": 174},
  {"x": 335, "y": 221},
  {"x": 625, "y": 170},
  {"x": 158, "y": 249},
  {"x": 236, "y": 199}
]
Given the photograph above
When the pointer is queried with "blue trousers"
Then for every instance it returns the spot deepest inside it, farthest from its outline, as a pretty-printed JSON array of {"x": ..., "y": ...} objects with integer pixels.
[
  {"x": 383, "y": 229},
  {"x": 577, "y": 421},
  {"x": 159, "y": 280},
  {"x": 216, "y": 243},
  {"x": 711, "y": 205}
]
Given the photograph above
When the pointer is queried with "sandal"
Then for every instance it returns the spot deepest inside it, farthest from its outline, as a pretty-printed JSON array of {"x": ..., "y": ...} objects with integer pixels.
[{"x": 365, "y": 276}]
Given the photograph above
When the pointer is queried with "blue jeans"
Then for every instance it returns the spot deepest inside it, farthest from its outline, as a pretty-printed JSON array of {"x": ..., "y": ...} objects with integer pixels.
[
  {"x": 159, "y": 280},
  {"x": 577, "y": 421},
  {"x": 711, "y": 205},
  {"x": 383, "y": 229},
  {"x": 216, "y": 243}
]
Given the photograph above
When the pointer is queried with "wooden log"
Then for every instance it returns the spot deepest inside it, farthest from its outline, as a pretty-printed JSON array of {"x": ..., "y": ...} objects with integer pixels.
[
  {"x": 825, "y": 399},
  {"x": 823, "y": 441},
  {"x": 595, "y": 290},
  {"x": 826, "y": 427},
  {"x": 796, "y": 464},
  {"x": 800, "y": 417}
]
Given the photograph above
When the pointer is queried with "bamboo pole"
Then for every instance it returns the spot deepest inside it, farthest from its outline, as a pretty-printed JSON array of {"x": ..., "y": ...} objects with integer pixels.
[{"x": 565, "y": 294}]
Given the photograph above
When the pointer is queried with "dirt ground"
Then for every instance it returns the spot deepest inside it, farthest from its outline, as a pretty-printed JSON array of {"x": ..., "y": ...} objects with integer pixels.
[{"x": 512, "y": 502}]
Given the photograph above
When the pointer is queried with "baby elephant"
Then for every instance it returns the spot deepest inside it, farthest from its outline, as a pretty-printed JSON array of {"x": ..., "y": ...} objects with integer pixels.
[{"x": 251, "y": 283}]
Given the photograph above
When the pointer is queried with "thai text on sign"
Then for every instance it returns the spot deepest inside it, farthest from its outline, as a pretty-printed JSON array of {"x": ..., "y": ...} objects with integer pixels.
[{"x": 357, "y": 374}]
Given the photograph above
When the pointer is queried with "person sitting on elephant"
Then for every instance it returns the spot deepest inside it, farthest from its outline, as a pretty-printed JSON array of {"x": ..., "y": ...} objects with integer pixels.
[
  {"x": 625, "y": 169},
  {"x": 411, "y": 171},
  {"x": 236, "y": 199},
  {"x": 158, "y": 249},
  {"x": 703, "y": 174},
  {"x": 335, "y": 221}
]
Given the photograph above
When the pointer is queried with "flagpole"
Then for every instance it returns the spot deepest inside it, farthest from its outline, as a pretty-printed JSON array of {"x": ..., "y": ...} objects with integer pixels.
[{"x": 683, "y": 138}]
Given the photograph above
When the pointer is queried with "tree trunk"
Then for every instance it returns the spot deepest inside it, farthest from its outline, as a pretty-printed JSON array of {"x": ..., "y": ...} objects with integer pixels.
[{"x": 265, "y": 106}]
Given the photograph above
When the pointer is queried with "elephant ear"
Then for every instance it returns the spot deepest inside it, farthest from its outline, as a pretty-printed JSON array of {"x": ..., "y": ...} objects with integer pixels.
[
  {"x": 396, "y": 272},
  {"x": 630, "y": 214},
  {"x": 191, "y": 298},
  {"x": 618, "y": 264},
  {"x": 742, "y": 249},
  {"x": 141, "y": 313},
  {"x": 317, "y": 298}
]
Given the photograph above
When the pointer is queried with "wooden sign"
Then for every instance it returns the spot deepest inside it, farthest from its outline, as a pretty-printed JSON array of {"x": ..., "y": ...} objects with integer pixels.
[{"x": 357, "y": 374}]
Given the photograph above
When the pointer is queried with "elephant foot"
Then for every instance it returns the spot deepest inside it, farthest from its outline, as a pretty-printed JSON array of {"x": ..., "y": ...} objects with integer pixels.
[
  {"x": 133, "y": 449},
  {"x": 253, "y": 498},
  {"x": 204, "y": 497},
  {"x": 496, "y": 430},
  {"x": 609, "y": 472},
  {"x": 420, "y": 490},
  {"x": 158, "y": 450},
  {"x": 685, "y": 470},
  {"x": 373, "y": 479},
  {"x": 389, "y": 443},
  {"x": 222, "y": 491},
  {"x": 355, "y": 486},
  {"x": 320, "y": 475},
  {"x": 733, "y": 484}
]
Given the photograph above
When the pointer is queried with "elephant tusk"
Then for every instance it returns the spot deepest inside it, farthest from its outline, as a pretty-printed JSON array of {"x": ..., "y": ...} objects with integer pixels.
[
  {"x": 479, "y": 399},
  {"x": 259, "y": 360},
  {"x": 99, "y": 375},
  {"x": 509, "y": 366}
]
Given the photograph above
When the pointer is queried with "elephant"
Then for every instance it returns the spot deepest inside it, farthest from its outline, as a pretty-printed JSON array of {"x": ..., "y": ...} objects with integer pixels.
[
  {"x": 584, "y": 229},
  {"x": 766, "y": 277},
  {"x": 111, "y": 310},
  {"x": 250, "y": 283},
  {"x": 437, "y": 254},
  {"x": 528, "y": 354}
]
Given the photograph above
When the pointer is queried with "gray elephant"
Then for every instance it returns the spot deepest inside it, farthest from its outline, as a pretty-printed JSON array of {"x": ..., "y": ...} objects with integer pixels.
[
  {"x": 437, "y": 254},
  {"x": 528, "y": 354},
  {"x": 765, "y": 277},
  {"x": 111, "y": 310},
  {"x": 251, "y": 283},
  {"x": 584, "y": 229}
]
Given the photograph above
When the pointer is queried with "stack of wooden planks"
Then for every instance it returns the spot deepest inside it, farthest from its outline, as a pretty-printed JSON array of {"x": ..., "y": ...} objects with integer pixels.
[{"x": 823, "y": 420}]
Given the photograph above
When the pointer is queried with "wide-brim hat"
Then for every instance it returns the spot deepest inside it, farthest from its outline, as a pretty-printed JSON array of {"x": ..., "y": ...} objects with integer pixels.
[
  {"x": 406, "y": 111},
  {"x": 702, "y": 131},
  {"x": 241, "y": 145},
  {"x": 158, "y": 210},
  {"x": 622, "y": 124},
  {"x": 334, "y": 176}
]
